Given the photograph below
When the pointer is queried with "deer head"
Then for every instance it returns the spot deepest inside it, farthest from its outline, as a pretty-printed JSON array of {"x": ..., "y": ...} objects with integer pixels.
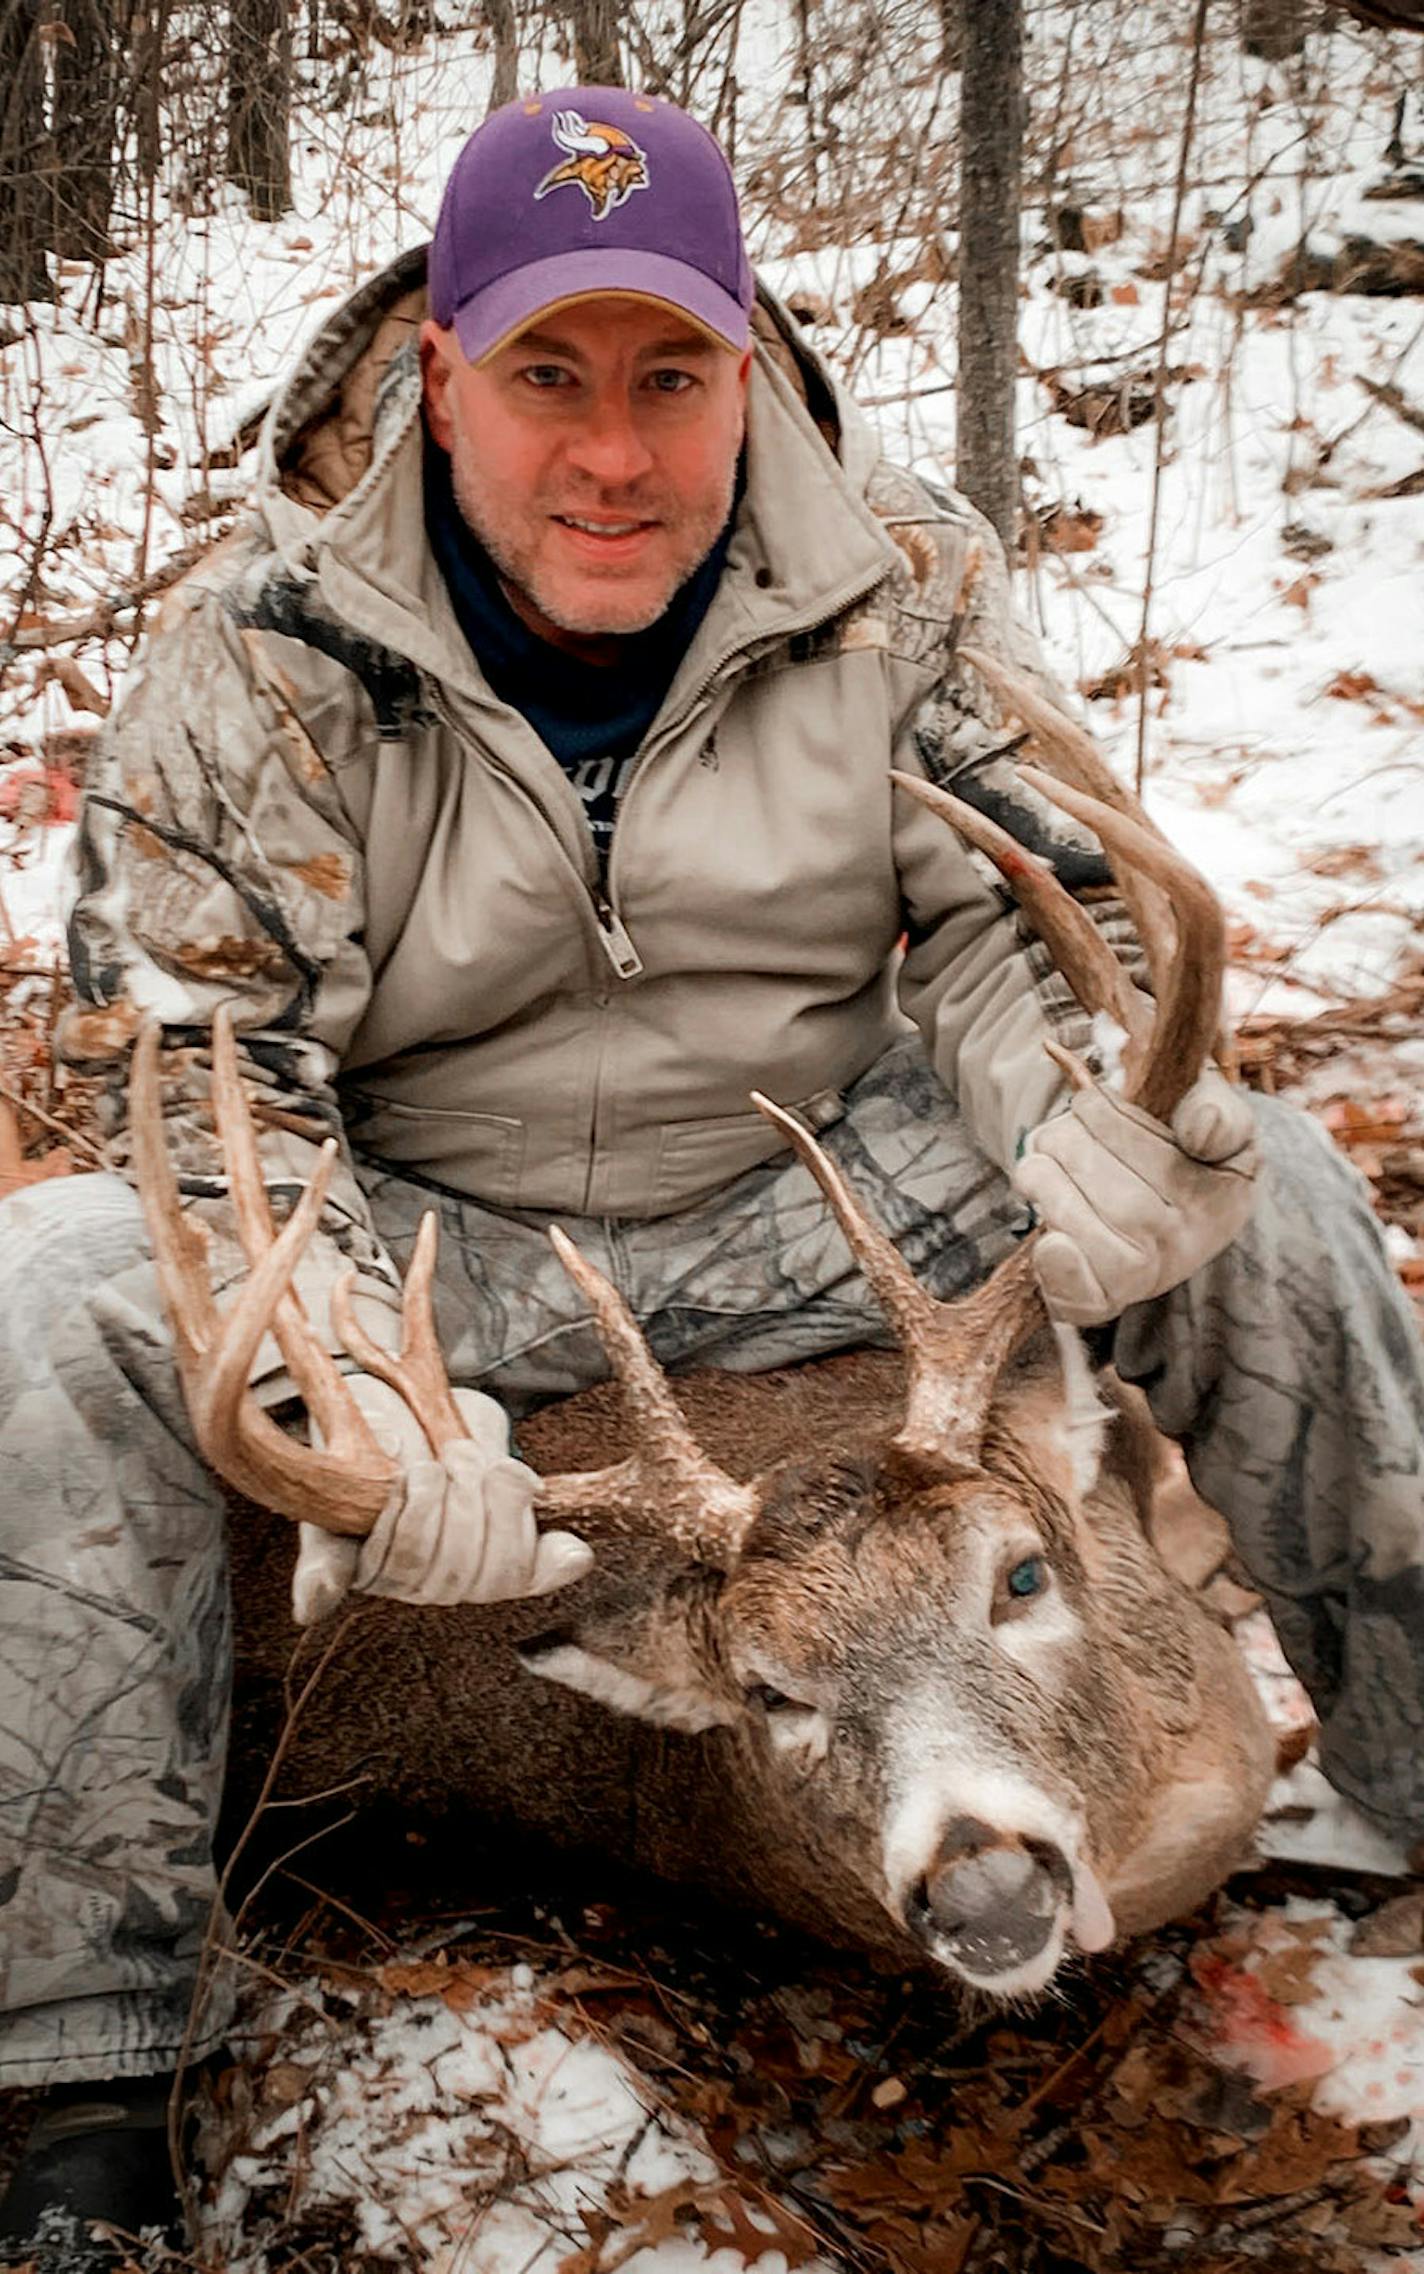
[{"x": 930, "y": 1628}]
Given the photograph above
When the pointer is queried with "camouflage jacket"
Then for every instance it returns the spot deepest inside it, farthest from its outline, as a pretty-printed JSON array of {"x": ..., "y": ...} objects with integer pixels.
[{"x": 310, "y": 804}]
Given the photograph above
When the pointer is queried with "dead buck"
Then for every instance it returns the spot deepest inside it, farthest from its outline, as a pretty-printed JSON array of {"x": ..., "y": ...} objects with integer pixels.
[{"x": 878, "y": 1643}]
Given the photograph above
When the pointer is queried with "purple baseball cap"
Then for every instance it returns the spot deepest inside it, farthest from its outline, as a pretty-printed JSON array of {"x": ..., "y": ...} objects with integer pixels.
[{"x": 588, "y": 190}]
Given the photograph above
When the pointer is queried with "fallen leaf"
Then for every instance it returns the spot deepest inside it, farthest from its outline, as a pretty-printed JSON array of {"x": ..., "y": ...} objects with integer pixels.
[
  {"x": 1350, "y": 686},
  {"x": 1395, "y": 1930},
  {"x": 462, "y": 1986},
  {"x": 16, "y": 1171},
  {"x": 1375, "y": 1121},
  {"x": 63, "y": 671}
]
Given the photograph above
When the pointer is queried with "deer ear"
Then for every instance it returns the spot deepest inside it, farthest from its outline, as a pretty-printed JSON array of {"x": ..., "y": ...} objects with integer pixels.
[
  {"x": 1057, "y": 1416},
  {"x": 671, "y": 1705},
  {"x": 1085, "y": 1417},
  {"x": 641, "y": 1661}
]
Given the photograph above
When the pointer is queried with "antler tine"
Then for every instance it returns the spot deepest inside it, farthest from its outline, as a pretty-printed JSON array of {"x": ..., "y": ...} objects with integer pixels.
[
  {"x": 904, "y": 1301},
  {"x": 313, "y": 1370},
  {"x": 1077, "y": 946},
  {"x": 668, "y": 1477},
  {"x": 1072, "y": 755},
  {"x": 1187, "y": 981},
  {"x": 214, "y": 1352},
  {"x": 953, "y": 1351},
  {"x": 418, "y": 1372}
]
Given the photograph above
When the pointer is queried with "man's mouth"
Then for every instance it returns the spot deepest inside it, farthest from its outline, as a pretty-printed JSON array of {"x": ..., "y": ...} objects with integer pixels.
[{"x": 603, "y": 528}]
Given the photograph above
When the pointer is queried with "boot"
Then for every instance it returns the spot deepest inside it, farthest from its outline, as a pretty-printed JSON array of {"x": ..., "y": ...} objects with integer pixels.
[{"x": 97, "y": 2152}]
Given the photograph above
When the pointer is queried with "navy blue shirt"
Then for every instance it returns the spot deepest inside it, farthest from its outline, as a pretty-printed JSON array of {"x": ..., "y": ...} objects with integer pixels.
[{"x": 592, "y": 716}]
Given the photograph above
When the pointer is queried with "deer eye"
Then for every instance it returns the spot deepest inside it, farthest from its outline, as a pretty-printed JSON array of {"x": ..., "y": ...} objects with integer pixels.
[
  {"x": 771, "y": 1700},
  {"x": 1019, "y": 1586}
]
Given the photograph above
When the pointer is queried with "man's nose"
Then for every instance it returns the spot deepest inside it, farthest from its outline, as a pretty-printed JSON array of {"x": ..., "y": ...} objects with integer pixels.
[{"x": 608, "y": 445}]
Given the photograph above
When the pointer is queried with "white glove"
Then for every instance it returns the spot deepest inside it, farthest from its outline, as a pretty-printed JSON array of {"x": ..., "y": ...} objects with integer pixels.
[
  {"x": 456, "y": 1530},
  {"x": 1129, "y": 1207}
]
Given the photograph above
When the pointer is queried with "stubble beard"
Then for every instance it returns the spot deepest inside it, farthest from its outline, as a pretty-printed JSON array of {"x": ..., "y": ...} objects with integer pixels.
[{"x": 519, "y": 568}]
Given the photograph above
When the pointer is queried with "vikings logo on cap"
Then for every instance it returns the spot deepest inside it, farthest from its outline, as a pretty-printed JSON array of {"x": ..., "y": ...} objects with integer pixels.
[{"x": 606, "y": 163}]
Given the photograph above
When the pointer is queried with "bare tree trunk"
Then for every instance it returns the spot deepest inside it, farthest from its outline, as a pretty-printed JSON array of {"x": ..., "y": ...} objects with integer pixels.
[
  {"x": 951, "y": 33},
  {"x": 88, "y": 68},
  {"x": 499, "y": 15},
  {"x": 598, "y": 61},
  {"x": 25, "y": 151},
  {"x": 259, "y": 104},
  {"x": 148, "y": 32},
  {"x": 1274, "y": 29},
  {"x": 991, "y": 153},
  {"x": 806, "y": 75}
]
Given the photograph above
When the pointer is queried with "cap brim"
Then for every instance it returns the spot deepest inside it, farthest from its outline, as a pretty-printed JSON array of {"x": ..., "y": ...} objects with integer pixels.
[{"x": 490, "y": 319}]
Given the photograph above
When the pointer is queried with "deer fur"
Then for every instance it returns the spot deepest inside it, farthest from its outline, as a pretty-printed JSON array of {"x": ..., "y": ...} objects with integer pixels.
[{"x": 640, "y": 1714}]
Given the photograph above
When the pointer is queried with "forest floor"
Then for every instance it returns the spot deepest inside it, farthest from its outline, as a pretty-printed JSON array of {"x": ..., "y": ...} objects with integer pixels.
[{"x": 505, "y": 2086}]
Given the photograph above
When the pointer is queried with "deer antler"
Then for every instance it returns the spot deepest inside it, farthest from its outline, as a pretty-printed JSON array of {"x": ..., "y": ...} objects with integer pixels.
[
  {"x": 343, "y": 1486},
  {"x": 668, "y": 1477},
  {"x": 1072, "y": 757},
  {"x": 956, "y": 1350}
]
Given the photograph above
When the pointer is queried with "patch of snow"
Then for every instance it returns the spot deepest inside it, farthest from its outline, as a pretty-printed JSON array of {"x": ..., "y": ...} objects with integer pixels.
[{"x": 457, "y": 2134}]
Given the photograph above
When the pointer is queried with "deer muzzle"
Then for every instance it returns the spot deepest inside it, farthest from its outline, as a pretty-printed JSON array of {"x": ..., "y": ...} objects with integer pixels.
[{"x": 991, "y": 1901}]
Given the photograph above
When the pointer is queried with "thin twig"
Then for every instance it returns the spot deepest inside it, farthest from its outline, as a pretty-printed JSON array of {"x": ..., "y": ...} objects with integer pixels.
[
  {"x": 213, "y": 1938},
  {"x": 1394, "y": 399},
  {"x": 70, "y": 1136},
  {"x": 29, "y": 583},
  {"x": 1160, "y": 386},
  {"x": 98, "y": 622}
]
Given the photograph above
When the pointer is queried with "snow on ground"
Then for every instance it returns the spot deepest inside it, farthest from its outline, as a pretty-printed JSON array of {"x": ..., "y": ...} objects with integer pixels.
[
  {"x": 456, "y": 2127},
  {"x": 1284, "y": 751}
]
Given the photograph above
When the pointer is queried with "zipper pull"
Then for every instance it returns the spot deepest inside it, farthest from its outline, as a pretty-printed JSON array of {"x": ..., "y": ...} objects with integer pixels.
[{"x": 617, "y": 945}]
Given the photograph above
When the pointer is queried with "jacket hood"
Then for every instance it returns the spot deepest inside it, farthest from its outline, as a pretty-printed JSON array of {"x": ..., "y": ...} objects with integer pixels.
[
  {"x": 340, "y": 496},
  {"x": 353, "y": 396}
]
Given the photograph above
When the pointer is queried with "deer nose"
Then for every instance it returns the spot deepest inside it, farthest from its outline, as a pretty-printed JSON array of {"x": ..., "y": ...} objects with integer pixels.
[{"x": 990, "y": 1898}]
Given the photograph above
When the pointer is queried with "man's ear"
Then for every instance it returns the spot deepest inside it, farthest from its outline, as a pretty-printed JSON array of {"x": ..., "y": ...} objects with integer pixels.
[
  {"x": 438, "y": 351},
  {"x": 654, "y": 1659}
]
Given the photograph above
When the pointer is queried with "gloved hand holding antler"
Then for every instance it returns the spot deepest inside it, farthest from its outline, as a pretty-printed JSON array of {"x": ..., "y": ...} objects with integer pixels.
[
  {"x": 1131, "y": 1206},
  {"x": 1133, "y": 1193},
  {"x": 457, "y": 1529}
]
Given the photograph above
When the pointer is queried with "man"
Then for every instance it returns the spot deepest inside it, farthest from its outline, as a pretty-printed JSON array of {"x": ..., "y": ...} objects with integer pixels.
[{"x": 519, "y": 774}]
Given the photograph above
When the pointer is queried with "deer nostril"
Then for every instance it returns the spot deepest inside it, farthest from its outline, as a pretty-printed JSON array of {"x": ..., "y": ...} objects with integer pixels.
[
  {"x": 966, "y": 1835},
  {"x": 991, "y": 1901}
]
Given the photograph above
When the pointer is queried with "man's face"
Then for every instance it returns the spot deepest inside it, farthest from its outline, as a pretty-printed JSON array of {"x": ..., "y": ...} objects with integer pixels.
[{"x": 594, "y": 457}]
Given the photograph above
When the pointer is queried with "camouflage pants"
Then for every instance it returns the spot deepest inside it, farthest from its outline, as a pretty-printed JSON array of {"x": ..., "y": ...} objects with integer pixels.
[{"x": 1289, "y": 1369}]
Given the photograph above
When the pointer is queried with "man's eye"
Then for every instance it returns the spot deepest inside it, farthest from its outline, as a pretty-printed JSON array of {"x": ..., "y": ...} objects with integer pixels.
[
  {"x": 545, "y": 375},
  {"x": 670, "y": 382}
]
